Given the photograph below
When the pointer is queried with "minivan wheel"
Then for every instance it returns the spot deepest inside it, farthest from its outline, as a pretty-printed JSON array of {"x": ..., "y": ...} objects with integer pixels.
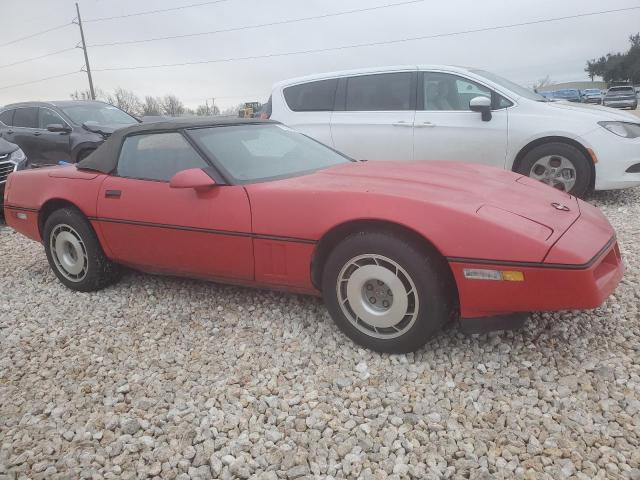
[
  {"x": 386, "y": 293},
  {"x": 74, "y": 252},
  {"x": 559, "y": 165}
]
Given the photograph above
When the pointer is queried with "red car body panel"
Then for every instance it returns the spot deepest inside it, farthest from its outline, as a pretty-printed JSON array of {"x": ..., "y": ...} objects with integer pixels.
[{"x": 266, "y": 234}]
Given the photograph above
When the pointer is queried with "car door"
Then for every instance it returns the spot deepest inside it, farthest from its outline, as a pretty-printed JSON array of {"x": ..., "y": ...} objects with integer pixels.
[
  {"x": 53, "y": 147},
  {"x": 23, "y": 132},
  {"x": 148, "y": 224},
  {"x": 446, "y": 128},
  {"x": 373, "y": 116}
]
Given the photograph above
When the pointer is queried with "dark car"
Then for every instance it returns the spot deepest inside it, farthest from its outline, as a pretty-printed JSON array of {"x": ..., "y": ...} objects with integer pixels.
[
  {"x": 569, "y": 94},
  {"x": 623, "y": 96},
  {"x": 12, "y": 158},
  {"x": 51, "y": 132}
]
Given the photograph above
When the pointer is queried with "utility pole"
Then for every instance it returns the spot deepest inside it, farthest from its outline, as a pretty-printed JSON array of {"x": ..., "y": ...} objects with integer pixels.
[{"x": 86, "y": 56}]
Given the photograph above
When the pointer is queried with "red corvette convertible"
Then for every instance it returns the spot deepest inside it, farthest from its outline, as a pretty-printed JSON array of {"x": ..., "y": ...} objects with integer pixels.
[{"x": 395, "y": 248}]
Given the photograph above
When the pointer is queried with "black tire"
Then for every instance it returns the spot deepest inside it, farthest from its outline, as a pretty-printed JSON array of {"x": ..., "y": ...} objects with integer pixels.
[
  {"x": 576, "y": 157},
  {"x": 97, "y": 270},
  {"x": 428, "y": 272}
]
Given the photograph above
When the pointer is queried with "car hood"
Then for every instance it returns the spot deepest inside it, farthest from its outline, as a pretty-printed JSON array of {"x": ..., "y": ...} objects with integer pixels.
[
  {"x": 596, "y": 111},
  {"x": 486, "y": 191},
  {"x": 7, "y": 147}
]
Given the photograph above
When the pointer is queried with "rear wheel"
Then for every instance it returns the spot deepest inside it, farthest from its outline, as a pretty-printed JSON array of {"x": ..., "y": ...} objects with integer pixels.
[
  {"x": 386, "y": 293},
  {"x": 74, "y": 252},
  {"x": 559, "y": 165}
]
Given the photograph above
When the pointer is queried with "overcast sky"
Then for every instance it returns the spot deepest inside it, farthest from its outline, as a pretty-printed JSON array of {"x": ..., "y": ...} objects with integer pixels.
[{"x": 523, "y": 54}]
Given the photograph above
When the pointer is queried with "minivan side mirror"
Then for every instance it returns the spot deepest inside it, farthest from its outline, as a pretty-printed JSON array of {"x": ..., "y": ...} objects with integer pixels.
[
  {"x": 58, "y": 127},
  {"x": 482, "y": 105},
  {"x": 195, "y": 178}
]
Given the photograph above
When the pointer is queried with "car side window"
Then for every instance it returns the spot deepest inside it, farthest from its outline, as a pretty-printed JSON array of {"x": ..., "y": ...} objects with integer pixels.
[
  {"x": 157, "y": 156},
  {"x": 312, "y": 96},
  {"x": 48, "y": 117},
  {"x": 6, "y": 117},
  {"x": 26, "y": 117},
  {"x": 379, "y": 92},
  {"x": 444, "y": 91}
]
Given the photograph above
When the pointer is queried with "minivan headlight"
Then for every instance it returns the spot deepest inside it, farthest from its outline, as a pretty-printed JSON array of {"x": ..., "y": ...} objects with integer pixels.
[{"x": 622, "y": 129}]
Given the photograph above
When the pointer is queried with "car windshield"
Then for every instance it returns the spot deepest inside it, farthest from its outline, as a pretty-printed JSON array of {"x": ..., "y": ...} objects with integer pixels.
[
  {"x": 621, "y": 90},
  {"x": 249, "y": 153},
  {"x": 101, "y": 114},
  {"x": 509, "y": 85}
]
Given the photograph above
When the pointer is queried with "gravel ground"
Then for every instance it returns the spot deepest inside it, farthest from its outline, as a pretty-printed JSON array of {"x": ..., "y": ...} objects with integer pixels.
[{"x": 170, "y": 378}]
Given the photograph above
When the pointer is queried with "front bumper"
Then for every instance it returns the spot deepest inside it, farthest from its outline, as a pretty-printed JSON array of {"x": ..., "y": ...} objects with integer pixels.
[
  {"x": 615, "y": 156},
  {"x": 580, "y": 270},
  {"x": 621, "y": 103}
]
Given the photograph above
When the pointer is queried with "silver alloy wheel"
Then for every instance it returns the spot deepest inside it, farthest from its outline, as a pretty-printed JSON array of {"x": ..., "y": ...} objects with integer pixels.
[
  {"x": 69, "y": 252},
  {"x": 556, "y": 171},
  {"x": 377, "y": 296}
]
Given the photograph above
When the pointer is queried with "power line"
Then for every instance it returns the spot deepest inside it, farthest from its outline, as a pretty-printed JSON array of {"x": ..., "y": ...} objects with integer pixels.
[
  {"x": 150, "y": 12},
  {"x": 37, "y": 58},
  {"x": 249, "y": 27},
  {"x": 39, "y": 80},
  {"x": 35, "y": 34},
  {"x": 370, "y": 44}
]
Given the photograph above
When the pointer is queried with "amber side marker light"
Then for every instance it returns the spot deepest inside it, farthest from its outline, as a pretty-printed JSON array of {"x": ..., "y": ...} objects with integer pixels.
[{"x": 499, "y": 275}]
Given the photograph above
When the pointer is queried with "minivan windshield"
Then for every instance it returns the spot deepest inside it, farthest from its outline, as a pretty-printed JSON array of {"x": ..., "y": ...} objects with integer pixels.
[
  {"x": 254, "y": 152},
  {"x": 509, "y": 85},
  {"x": 98, "y": 113},
  {"x": 621, "y": 90}
]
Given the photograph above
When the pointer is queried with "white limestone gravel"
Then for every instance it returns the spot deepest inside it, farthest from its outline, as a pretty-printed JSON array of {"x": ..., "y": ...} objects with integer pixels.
[{"x": 169, "y": 378}]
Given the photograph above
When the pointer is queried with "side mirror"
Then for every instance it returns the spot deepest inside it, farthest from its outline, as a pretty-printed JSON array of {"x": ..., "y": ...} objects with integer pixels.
[
  {"x": 482, "y": 105},
  {"x": 193, "y": 178},
  {"x": 58, "y": 127}
]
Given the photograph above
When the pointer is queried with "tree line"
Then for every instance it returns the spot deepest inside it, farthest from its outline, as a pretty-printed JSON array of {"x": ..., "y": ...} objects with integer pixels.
[
  {"x": 168, "y": 105},
  {"x": 620, "y": 67}
]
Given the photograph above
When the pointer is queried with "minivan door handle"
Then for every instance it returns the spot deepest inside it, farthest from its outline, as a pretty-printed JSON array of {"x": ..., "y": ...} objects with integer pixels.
[
  {"x": 425, "y": 125},
  {"x": 402, "y": 123},
  {"x": 37, "y": 134}
]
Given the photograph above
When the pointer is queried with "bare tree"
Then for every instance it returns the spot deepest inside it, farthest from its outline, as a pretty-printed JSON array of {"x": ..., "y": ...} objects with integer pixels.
[
  {"x": 86, "y": 94},
  {"x": 172, "y": 106},
  {"x": 543, "y": 82},
  {"x": 151, "y": 106},
  {"x": 125, "y": 100},
  {"x": 207, "y": 110},
  {"x": 233, "y": 110}
]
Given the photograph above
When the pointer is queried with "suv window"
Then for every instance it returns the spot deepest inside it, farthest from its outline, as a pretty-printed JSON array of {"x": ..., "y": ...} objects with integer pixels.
[
  {"x": 380, "y": 92},
  {"x": 157, "y": 156},
  {"x": 312, "y": 96},
  {"x": 26, "y": 117},
  {"x": 48, "y": 117},
  {"x": 444, "y": 91},
  {"x": 6, "y": 117}
]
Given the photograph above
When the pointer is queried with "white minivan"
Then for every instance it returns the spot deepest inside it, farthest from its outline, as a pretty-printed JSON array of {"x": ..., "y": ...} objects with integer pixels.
[{"x": 454, "y": 113}]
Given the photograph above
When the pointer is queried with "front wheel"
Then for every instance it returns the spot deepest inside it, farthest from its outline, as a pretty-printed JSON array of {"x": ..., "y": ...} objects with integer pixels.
[
  {"x": 385, "y": 292},
  {"x": 74, "y": 252},
  {"x": 559, "y": 165}
]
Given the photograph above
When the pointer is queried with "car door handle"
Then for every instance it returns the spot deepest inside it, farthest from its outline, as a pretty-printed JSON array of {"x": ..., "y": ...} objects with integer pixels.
[
  {"x": 402, "y": 124},
  {"x": 10, "y": 131},
  {"x": 37, "y": 134},
  {"x": 112, "y": 193},
  {"x": 425, "y": 125}
]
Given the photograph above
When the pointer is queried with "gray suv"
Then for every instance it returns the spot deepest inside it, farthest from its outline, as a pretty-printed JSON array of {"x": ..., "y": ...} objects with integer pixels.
[
  {"x": 621, "y": 97},
  {"x": 51, "y": 132}
]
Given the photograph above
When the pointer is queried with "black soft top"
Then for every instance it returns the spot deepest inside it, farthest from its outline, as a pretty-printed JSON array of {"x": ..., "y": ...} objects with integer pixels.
[{"x": 105, "y": 158}]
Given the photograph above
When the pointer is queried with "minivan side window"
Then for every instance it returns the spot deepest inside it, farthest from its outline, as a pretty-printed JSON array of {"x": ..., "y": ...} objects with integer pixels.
[
  {"x": 443, "y": 91},
  {"x": 157, "y": 156},
  {"x": 26, "y": 117},
  {"x": 379, "y": 92},
  {"x": 312, "y": 97},
  {"x": 6, "y": 117}
]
